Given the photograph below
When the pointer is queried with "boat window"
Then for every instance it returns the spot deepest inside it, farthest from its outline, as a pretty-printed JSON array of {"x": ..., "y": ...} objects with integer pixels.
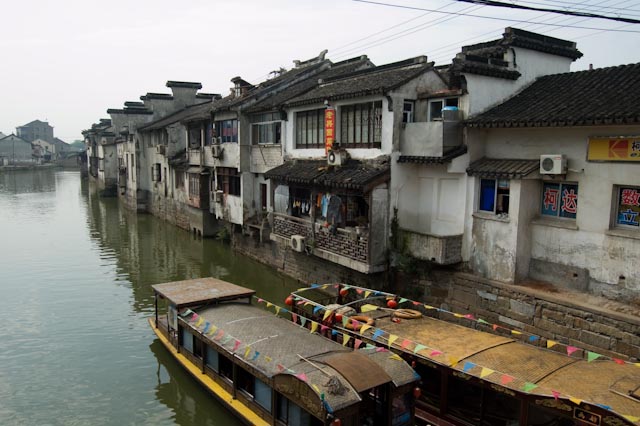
[
  {"x": 197, "y": 347},
  {"x": 500, "y": 409},
  {"x": 263, "y": 394},
  {"x": 538, "y": 416},
  {"x": 245, "y": 381},
  {"x": 292, "y": 415},
  {"x": 431, "y": 385},
  {"x": 212, "y": 359},
  {"x": 464, "y": 399},
  {"x": 226, "y": 367},
  {"x": 401, "y": 410},
  {"x": 187, "y": 340}
]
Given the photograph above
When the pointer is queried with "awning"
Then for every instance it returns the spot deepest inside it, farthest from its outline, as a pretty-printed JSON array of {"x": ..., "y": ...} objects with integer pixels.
[
  {"x": 200, "y": 291},
  {"x": 506, "y": 169},
  {"x": 447, "y": 156},
  {"x": 198, "y": 170},
  {"x": 360, "y": 371},
  {"x": 355, "y": 175}
]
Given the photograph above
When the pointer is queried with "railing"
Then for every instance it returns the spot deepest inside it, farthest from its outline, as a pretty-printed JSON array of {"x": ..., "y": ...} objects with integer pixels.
[
  {"x": 431, "y": 138},
  {"x": 440, "y": 249},
  {"x": 349, "y": 243}
]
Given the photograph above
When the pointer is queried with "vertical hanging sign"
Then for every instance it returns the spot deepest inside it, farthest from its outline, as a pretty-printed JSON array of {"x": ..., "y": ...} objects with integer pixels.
[{"x": 329, "y": 128}]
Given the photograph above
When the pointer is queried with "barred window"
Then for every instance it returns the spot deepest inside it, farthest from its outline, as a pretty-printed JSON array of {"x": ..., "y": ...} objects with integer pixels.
[
  {"x": 310, "y": 129},
  {"x": 361, "y": 125}
]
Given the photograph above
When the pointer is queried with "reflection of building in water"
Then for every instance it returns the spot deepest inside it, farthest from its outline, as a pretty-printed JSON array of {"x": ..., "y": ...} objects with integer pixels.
[
  {"x": 27, "y": 181},
  {"x": 189, "y": 403}
]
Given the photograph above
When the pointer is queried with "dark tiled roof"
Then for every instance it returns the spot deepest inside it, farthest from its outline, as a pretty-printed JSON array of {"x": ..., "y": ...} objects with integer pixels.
[
  {"x": 162, "y": 96},
  {"x": 297, "y": 171},
  {"x": 337, "y": 69},
  {"x": 355, "y": 175},
  {"x": 371, "y": 81},
  {"x": 597, "y": 97},
  {"x": 201, "y": 110},
  {"x": 185, "y": 84},
  {"x": 483, "y": 66},
  {"x": 500, "y": 168},
  {"x": 447, "y": 156}
]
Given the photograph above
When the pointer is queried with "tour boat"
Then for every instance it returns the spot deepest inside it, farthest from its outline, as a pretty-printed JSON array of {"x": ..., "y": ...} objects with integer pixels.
[
  {"x": 472, "y": 377},
  {"x": 270, "y": 371}
]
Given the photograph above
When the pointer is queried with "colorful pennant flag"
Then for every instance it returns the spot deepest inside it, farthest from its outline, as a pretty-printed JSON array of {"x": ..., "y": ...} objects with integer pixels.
[
  {"x": 194, "y": 317},
  {"x": 632, "y": 419},
  {"x": 481, "y": 321},
  {"x": 495, "y": 327},
  {"x": 277, "y": 310},
  {"x": 528, "y": 386},
  {"x": 268, "y": 358},
  {"x": 260, "y": 300},
  {"x": 323, "y": 328},
  {"x": 618, "y": 361},
  {"x": 516, "y": 332},
  {"x": 485, "y": 372},
  {"x": 303, "y": 321},
  {"x": 575, "y": 400},
  {"x": 357, "y": 344},
  {"x": 219, "y": 336},
  {"x": 392, "y": 338},
  {"x": 364, "y": 328},
  {"x": 435, "y": 353},
  {"x": 314, "y": 326},
  {"x": 269, "y": 304},
  {"x": 199, "y": 322},
  {"x": 468, "y": 366},
  {"x": 294, "y": 317},
  {"x": 419, "y": 348},
  {"x": 533, "y": 338},
  {"x": 396, "y": 357},
  {"x": 247, "y": 351},
  {"x": 402, "y": 300},
  {"x": 236, "y": 345},
  {"x": 345, "y": 321},
  {"x": 551, "y": 343},
  {"x": 555, "y": 394},
  {"x": 592, "y": 356},
  {"x": 571, "y": 349},
  {"x": 213, "y": 330},
  {"x": 405, "y": 343},
  {"x": 255, "y": 356},
  {"x": 367, "y": 294},
  {"x": 345, "y": 339},
  {"x": 206, "y": 327},
  {"x": 505, "y": 379},
  {"x": 316, "y": 309},
  {"x": 377, "y": 334},
  {"x": 327, "y": 314}
]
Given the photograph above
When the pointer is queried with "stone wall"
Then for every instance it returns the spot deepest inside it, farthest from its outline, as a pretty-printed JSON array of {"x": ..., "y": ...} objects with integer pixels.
[
  {"x": 540, "y": 312},
  {"x": 171, "y": 211}
]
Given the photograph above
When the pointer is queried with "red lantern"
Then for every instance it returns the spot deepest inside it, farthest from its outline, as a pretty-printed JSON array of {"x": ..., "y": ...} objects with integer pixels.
[
  {"x": 417, "y": 392},
  {"x": 289, "y": 301},
  {"x": 344, "y": 292},
  {"x": 336, "y": 422},
  {"x": 392, "y": 304},
  {"x": 338, "y": 317}
]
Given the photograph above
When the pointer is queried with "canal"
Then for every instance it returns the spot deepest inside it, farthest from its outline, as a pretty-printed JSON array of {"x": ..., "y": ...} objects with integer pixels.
[{"x": 76, "y": 276}]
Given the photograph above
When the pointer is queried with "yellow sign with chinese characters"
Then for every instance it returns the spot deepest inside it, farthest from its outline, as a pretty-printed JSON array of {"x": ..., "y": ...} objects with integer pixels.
[{"x": 614, "y": 148}]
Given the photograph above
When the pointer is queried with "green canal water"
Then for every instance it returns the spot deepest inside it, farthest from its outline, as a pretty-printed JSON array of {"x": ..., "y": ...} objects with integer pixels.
[{"x": 75, "y": 285}]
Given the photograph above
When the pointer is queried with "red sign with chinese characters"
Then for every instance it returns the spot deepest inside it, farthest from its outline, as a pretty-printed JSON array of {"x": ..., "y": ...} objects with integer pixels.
[{"x": 329, "y": 128}]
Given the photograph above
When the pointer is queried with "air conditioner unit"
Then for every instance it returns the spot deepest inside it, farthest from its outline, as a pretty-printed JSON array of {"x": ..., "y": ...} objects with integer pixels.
[
  {"x": 216, "y": 151},
  {"x": 161, "y": 149},
  {"x": 297, "y": 243},
  {"x": 553, "y": 164},
  {"x": 217, "y": 196},
  {"x": 337, "y": 157}
]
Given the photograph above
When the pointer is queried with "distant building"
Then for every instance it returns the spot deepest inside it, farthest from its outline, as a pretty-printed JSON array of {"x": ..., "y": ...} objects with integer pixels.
[
  {"x": 36, "y": 130},
  {"x": 2, "y": 135},
  {"x": 15, "y": 150},
  {"x": 45, "y": 151}
]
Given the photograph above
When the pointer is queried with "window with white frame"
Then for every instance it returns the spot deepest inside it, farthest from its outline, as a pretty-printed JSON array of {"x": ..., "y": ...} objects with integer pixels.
[
  {"x": 266, "y": 128},
  {"x": 437, "y": 105},
  {"x": 408, "y": 111},
  {"x": 361, "y": 125},
  {"x": 227, "y": 131},
  {"x": 310, "y": 129},
  {"x": 627, "y": 207},
  {"x": 494, "y": 196},
  {"x": 559, "y": 199}
]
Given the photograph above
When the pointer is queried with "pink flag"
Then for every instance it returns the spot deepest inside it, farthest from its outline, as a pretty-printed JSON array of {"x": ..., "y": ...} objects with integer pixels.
[
  {"x": 505, "y": 379},
  {"x": 302, "y": 376},
  {"x": 495, "y": 327},
  {"x": 436, "y": 353},
  {"x": 405, "y": 343},
  {"x": 323, "y": 328},
  {"x": 358, "y": 343},
  {"x": 618, "y": 361},
  {"x": 236, "y": 345},
  {"x": 294, "y": 317},
  {"x": 260, "y": 300},
  {"x": 280, "y": 367},
  {"x": 571, "y": 349},
  {"x": 556, "y": 394}
]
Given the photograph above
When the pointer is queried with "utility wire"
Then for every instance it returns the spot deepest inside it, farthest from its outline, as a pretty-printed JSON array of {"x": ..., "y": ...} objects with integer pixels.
[
  {"x": 559, "y": 11},
  {"x": 585, "y": 7},
  {"x": 490, "y": 17}
]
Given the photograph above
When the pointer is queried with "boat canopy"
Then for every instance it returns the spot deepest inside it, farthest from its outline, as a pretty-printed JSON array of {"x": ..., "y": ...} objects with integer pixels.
[{"x": 200, "y": 291}]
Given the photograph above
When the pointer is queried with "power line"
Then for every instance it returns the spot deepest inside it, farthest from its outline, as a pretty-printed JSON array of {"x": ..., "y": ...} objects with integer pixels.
[
  {"x": 491, "y": 17},
  {"x": 495, "y": 3},
  {"x": 555, "y": 3}
]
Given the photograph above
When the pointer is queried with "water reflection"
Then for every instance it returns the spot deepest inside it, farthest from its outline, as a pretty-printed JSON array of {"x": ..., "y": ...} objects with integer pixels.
[{"x": 26, "y": 181}]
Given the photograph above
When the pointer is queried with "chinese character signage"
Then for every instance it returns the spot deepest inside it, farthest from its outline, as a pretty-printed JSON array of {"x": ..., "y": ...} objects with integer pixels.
[
  {"x": 614, "y": 149},
  {"x": 586, "y": 417},
  {"x": 560, "y": 200},
  {"x": 628, "y": 207},
  {"x": 329, "y": 128}
]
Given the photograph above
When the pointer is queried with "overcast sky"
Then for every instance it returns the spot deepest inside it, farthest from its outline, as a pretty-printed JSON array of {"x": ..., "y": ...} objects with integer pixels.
[{"x": 67, "y": 61}]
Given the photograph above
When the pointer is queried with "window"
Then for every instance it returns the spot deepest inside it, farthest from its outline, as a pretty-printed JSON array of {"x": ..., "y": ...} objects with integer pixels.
[
  {"x": 179, "y": 179},
  {"x": 195, "y": 136},
  {"x": 291, "y": 414},
  {"x": 627, "y": 207},
  {"x": 361, "y": 125},
  {"x": 194, "y": 185},
  {"x": 226, "y": 367},
  {"x": 208, "y": 133},
  {"x": 436, "y": 107},
  {"x": 559, "y": 200},
  {"x": 262, "y": 394},
  {"x": 227, "y": 131},
  {"x": 310, "y": 129},
  {"x": 228, "y": 180},
  {"x": 494, "y": 196},
  {"x": 408, "y": 109},
  {"x": 187, "y": 340},
  {"x": 156, "y": 173},
  {"x": 211, "y": 359},
  {"x": 245, "y": 381},
  {"x": 266, "y": 128}
]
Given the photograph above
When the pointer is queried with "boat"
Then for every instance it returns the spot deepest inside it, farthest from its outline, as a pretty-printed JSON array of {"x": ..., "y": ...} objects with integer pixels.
[
  {"x": 269, "y": 370},
  {"x": 475, "y": 377}
]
